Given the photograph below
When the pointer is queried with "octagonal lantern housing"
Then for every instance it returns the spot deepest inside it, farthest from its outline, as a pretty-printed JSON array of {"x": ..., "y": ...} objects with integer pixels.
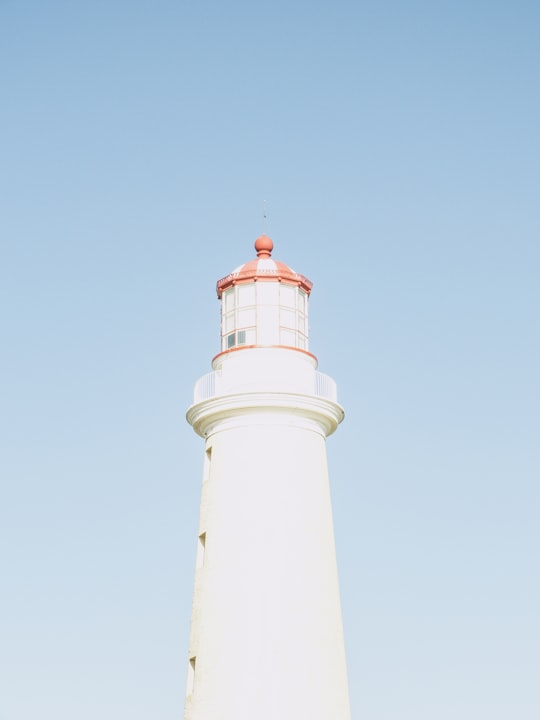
[{"x": 264, "y": 303}]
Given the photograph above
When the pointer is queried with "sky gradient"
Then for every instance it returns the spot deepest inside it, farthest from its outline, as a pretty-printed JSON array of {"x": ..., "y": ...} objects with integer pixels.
[{"x": 397, "y": 146}]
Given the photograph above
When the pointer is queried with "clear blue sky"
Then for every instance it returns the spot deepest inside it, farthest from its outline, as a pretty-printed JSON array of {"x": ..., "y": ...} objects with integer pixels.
[{"x": 398, "y": 147}]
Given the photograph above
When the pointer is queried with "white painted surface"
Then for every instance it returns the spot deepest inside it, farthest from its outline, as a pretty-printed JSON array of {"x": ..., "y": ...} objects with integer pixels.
[{"x": 266, "y": 635}]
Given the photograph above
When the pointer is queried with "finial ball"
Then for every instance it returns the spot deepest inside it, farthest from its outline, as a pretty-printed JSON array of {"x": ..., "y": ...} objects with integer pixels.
[{"x": 264, "y": 246}]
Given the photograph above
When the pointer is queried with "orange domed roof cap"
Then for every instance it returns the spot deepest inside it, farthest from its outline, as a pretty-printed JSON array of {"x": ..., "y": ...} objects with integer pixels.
[
  {"x": 263, "y": 268},
  {"x": 264, "y": 246}
]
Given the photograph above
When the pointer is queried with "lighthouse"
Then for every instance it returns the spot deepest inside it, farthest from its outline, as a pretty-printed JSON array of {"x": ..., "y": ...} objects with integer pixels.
[{"x": 266, "y": 639}]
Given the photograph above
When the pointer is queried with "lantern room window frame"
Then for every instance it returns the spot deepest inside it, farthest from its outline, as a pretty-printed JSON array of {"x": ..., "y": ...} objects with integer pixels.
[{"x": 244, "y": 304}]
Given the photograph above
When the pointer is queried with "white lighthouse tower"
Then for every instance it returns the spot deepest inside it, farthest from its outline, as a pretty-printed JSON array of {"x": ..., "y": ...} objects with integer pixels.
[{"x": 266, "y": 638}]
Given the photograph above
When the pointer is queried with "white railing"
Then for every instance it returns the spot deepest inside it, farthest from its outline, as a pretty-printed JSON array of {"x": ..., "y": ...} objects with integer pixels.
[
  {"x": 205, "y": 387},
  {"x": 325, "y": 386}
]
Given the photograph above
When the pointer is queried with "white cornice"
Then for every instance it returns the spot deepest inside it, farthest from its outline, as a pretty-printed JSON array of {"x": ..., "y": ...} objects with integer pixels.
[{"x": 241, "y": 409}]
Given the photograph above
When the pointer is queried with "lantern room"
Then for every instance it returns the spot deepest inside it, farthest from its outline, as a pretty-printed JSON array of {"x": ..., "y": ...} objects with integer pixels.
[{"x": 264, "y": 303}]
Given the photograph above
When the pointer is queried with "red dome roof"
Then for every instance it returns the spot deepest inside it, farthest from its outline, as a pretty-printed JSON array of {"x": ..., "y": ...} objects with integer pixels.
[{"x": 263, "y": 268}]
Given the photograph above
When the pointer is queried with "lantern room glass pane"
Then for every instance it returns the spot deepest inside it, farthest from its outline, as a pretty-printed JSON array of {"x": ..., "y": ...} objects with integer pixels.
[
  {"x": 267, "y": 293},
  {"x": 288, "y": 295},
  {"x": 246, "y": 294},
  {"x": 302, "y": 301},
  {"x": 246, "y": 317},
  {"x": 288, "y": 318},
  {"x": 228, "y": 322},
  {"x": 287, "y": 337},
  {"x": 228, "y": 300}
]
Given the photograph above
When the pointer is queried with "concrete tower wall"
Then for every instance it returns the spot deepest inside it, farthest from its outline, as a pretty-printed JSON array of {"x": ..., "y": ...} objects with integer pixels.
[{"x": 266, "y": 639}]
